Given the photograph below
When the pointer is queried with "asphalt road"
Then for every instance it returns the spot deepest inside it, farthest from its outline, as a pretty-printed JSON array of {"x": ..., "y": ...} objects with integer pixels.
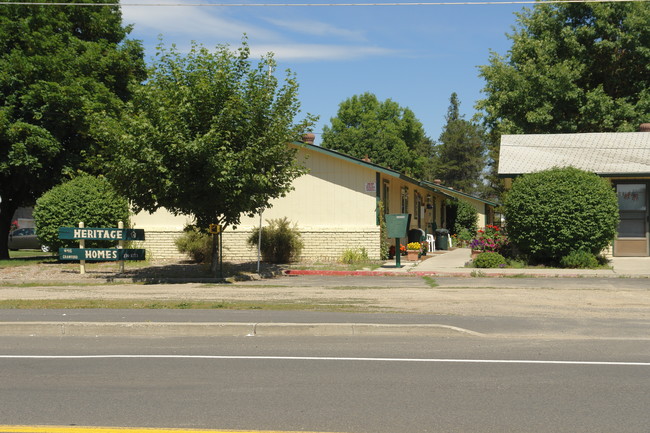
[{"x": 378, "y": 384}]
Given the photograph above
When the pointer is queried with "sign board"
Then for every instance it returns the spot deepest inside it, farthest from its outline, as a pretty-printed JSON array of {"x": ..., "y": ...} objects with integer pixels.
[
  {"x": 371, "y": 187},
  {"x": 102, "y": 234},
  {"x": 397, "y": 224},
  {"x": 103, "y": 254},
  {"x": 214, "y": 229}
]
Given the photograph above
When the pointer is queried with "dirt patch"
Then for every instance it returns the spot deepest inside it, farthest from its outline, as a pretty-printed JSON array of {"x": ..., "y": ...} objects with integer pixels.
[{"x": 104, "y": 271}]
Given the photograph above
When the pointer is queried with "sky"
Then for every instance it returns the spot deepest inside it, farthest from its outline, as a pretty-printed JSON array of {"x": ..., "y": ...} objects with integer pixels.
[{"x": 414, "y": 55}]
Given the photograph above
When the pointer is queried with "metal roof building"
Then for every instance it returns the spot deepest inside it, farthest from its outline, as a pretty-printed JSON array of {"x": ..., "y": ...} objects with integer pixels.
[{"x": 622, "y": 157}]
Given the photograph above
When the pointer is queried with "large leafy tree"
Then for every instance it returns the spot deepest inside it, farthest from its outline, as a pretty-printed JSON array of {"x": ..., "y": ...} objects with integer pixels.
[
  {"x": 461, "y": 151},
  {"x": 387, "y": 133},
  {"x": 207, "y": 136},
  {"x": 62, "y": 70},
  {"x": 573, "y": 67}
]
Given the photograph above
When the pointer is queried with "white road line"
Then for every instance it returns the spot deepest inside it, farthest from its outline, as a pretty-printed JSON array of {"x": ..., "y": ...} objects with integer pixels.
[{"x": 332, "y": 358}]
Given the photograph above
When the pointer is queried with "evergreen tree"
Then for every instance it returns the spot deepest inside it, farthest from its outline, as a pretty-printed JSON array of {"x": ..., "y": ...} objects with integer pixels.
[{"x": 461, "y": 151}]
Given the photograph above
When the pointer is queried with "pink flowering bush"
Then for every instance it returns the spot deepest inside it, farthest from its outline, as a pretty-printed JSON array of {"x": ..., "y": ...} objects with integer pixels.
[{"x": 492, "y": 239}]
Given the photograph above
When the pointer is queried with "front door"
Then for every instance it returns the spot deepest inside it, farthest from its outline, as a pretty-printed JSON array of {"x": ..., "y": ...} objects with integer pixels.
[{"x": 633, "y": 237}]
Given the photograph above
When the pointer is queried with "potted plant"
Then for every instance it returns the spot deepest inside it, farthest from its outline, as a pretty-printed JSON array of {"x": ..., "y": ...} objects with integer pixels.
[{"x": 413, "y": 250}]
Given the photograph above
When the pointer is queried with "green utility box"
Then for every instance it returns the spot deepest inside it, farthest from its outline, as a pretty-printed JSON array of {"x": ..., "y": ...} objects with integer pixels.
[{"x": 397, "y": 225}]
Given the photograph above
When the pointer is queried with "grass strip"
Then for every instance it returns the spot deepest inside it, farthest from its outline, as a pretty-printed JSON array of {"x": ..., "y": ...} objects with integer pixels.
[
  {"x": 41, "y": 304},
  {"x": 430, "y": 282}
]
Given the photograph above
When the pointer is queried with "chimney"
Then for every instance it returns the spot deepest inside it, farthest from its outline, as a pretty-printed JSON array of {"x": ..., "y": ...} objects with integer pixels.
[
  {"x": 308, "y": 138},
  {"x": 644, "y": 127}
]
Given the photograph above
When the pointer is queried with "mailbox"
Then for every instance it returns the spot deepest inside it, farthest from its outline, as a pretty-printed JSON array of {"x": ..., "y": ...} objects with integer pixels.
[{"x": 397, "y": 224}]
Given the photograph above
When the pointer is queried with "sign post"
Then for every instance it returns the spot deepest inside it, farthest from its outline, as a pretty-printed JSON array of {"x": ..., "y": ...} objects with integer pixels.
[
  {"x": 120, "y": 246},
  {"x": 397, "y": 226},
  {"x": 82, "y": 244}
]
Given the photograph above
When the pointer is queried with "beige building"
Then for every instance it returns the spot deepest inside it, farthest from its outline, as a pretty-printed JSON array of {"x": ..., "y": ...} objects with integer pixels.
[
  {"x": 621, "y": 157},
  {"x": 335, "y": 206}
]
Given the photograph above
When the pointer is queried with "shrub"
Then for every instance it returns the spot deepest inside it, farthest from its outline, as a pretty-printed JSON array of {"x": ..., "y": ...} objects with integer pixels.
[
  {"x": 553, "y": 212},
  {"x": 489, "y": 260},
  {"x": 196, "y": 244},
  {"x": 464, "y": 238},
  {"x": 466, "y": 217},
  {"x": 88, "y": 199},
  {"x": 281, "y": 241},
  {"x": 384, "y": 246},
  {"x": 579, "y": 259},
  {"x": 353, "y": 256}
]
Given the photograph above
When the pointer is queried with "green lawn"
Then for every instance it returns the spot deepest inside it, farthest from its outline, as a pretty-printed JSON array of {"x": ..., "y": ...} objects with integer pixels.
[{"x": 28, "y": 257}]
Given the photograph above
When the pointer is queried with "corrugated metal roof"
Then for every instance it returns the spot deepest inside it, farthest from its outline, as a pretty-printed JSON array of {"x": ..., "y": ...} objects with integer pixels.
[{"x": 606, "y": 153}]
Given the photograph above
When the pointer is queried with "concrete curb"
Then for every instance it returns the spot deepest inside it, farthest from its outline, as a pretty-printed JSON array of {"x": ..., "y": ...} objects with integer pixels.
[
  {"x": 171, "y": 329},
  {"x": 473, "y": 273}
]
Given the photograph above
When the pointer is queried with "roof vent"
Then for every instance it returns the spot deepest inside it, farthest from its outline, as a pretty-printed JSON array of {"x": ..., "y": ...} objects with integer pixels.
[
  {"x": 644, "y": 127},
  {"x": 308, "y": 138},
  {"x": 437, "y": 181},
  {"x": 366, "y": 159}
]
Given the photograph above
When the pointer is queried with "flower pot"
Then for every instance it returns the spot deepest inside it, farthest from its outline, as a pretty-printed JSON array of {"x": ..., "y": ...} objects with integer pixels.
[{"x": 412, "y": 255}]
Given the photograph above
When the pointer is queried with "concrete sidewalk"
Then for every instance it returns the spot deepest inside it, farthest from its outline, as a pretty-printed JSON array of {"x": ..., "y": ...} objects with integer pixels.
[{"x": 453, "y": 263}]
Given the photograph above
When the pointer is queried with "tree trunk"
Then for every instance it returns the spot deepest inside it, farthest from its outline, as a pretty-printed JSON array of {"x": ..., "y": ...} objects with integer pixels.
[
  {"x": 7, "y": 210},
  {"x": 214, "y": 265}
]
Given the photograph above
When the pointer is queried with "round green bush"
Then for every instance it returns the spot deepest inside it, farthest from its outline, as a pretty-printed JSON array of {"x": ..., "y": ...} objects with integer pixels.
[
  {"x": 553, "y": 212},
  {"x": 86, "y": 199},
  {"x": 579, "y": 259},
  {"x": 489, "y": 260}
]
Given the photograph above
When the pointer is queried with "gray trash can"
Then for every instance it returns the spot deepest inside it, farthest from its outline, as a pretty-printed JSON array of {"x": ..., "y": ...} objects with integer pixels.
[{"x": 442, "y": 239}]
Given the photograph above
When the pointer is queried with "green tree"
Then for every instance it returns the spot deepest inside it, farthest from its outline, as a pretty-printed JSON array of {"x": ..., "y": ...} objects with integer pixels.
[
  {"x": 555, "y": 212},
  {"x": 572, "y": 67},
  {"x": 207, "y": 136},
  {"x": 88, "y": 199},
  {"x": 62, "y": 70},
  {"x": 466, "y": 218},
  {"x": 383, "y": 131},
  {"x": 461, "y": 151}
]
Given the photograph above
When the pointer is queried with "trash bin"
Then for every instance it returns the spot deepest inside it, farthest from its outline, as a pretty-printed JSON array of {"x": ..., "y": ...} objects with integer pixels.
[
  {"x": 416, "y": 235},
  {"x": 442, "y": 239}
]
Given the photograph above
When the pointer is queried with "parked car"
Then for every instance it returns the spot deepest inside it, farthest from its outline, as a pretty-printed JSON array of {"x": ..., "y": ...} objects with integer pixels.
[{"x": 26, "y": 239}]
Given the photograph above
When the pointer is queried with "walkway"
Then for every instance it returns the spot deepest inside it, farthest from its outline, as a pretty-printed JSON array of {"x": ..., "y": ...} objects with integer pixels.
[{"x": 452, "y": 263}]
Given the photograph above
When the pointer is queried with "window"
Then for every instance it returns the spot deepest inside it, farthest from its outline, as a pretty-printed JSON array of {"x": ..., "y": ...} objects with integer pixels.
[
  {"x": 632, "y": 204},
  {"x": 386, "y": 195},
  {"x": 416, "y": 205},
  {"x": 405, "y": 200}
]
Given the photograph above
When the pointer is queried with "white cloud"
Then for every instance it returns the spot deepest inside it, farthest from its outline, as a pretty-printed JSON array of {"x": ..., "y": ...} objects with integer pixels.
[
  {"x": 317, "y": 28},
  {"x": 197, "y": 23},
  {"x": 212, "y": 26},
  {"x": 307, "y": 52}
]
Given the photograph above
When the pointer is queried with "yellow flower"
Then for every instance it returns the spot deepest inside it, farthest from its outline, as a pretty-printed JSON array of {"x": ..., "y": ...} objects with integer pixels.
[{"x": 414, "y": 246}]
